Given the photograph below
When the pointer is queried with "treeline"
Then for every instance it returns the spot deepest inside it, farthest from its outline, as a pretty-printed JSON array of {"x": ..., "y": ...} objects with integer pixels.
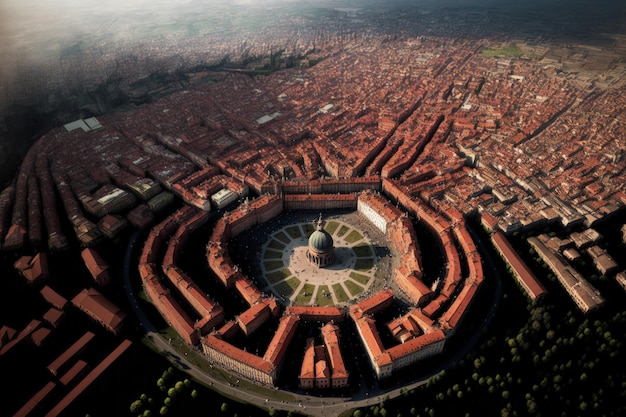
[{"x": 554, "y": 363}]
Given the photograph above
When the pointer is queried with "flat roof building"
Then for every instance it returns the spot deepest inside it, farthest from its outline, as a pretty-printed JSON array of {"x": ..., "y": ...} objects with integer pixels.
[{"x": 223, "y": 197}]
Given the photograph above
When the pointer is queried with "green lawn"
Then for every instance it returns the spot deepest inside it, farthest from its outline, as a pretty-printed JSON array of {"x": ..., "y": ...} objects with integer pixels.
[
  {"x": 274, "y": 244},
  {"x": 293, "y": 282},
  {"x": 354, "y": 288},
  {"x": 282, "y": 237},
  {"x": 340, "y": 294},
  {"x": 343, "y": 230},
  {"x": 362, "y": 250},
  {"x": 294, "y": 231},
  {"x": 287, "y": 287},
  {"x": 323, "y": 296},
  {"x": 360, "y": 278},
  {"x": 305, "y": 294},
  {"x": 272, "y": 265},
  {"x": 364, "y": 264},
  {"x": 271, "y": 254},
  {"x": 277, "y": 276},
  {"x": 354, "y": 236},
  {"x": 330, "y": 227},
  {"x": 508, "y": 51},
  {"x": 308, "y": 228}
]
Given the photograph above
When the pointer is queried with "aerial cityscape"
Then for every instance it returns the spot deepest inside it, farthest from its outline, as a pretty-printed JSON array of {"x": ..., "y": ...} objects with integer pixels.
[{"x": 353, "y": 208}]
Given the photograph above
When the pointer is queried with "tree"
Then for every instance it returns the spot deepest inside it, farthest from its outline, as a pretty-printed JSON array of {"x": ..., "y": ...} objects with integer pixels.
[
  {"x": 357, "y": 413},
  {"x": 224, "y": 407},
  {"x": 194, "y": 394},
  {"x": 163, "y": 411},
  {"x": 136, "y": 406}
]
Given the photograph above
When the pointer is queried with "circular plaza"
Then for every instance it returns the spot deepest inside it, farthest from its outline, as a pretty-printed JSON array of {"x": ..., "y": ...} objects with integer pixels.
[{"x": 360, "y": 263}]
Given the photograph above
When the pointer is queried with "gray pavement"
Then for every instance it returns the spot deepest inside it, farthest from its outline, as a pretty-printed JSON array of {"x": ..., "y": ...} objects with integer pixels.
[{"x": 294, "y": 259}]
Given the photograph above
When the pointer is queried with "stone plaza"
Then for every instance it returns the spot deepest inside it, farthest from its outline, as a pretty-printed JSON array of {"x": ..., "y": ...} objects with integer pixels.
[{"x": 294, "y": 279}]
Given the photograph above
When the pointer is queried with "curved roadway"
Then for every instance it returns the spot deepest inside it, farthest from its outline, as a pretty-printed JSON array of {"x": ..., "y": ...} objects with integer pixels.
[{"x": 306, "y": 404}]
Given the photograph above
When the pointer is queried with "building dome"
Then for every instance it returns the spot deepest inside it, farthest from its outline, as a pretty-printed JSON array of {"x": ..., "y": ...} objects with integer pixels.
[
  {"x": 320, "y": 241},
  {"x": 321, "y": 250}
]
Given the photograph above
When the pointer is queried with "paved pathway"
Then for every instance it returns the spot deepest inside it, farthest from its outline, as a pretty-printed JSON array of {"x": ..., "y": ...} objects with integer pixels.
[{"x": 301, "y": 272}]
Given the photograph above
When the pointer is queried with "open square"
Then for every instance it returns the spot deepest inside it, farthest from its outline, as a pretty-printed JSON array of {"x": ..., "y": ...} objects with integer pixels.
[{"x": 335, "y": 284}]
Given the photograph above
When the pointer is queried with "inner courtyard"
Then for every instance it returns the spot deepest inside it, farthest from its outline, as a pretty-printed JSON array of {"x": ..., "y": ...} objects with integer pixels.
[
  {"x": 293, "y": 278},
  {"x": 275, "y": 255}
]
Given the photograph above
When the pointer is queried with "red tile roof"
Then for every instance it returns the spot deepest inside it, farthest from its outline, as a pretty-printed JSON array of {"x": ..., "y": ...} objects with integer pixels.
[{"x": 100, "y": 309}]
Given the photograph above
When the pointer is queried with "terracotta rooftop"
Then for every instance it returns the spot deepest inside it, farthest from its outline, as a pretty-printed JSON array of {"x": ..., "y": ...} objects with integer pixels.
[
  {"x": 100, "y": 308},
  {"x": 53, "y": 297},
  {"x": 239, "y": 355}
]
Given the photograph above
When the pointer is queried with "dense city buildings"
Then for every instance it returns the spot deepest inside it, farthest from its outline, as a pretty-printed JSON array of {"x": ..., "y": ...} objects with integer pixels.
[
  {"x": 418, "y": 134},
  {"x": 585, "y": 295}
]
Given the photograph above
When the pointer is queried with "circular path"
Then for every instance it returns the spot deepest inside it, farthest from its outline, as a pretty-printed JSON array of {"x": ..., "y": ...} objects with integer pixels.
[{"x": 293, "y": 279}]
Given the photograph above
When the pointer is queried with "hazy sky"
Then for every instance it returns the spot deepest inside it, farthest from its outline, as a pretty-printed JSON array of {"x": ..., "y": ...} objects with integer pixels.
[
  {"x": 30, "y": 28},
  {"x": 15, "y": 12},
  {"x": 34, "y": 16}
]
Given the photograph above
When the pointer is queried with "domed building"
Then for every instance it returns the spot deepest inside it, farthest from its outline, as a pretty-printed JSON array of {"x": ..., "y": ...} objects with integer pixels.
[{"x": 321, "y": 251}]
